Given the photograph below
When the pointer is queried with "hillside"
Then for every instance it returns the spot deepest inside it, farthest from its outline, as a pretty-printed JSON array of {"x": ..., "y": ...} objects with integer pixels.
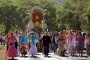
[{"x": 61, "y": 1}]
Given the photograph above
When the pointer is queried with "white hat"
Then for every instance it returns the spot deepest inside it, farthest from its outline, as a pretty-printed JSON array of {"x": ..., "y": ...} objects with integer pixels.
[{"x": 32, "y": 32}]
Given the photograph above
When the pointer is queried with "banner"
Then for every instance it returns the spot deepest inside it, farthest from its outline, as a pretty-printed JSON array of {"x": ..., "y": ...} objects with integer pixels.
[{"x": 37, "y": 17}]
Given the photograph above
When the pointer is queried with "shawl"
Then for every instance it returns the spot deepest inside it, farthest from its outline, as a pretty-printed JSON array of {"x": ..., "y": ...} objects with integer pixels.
[{"x": 33, "y": 40}]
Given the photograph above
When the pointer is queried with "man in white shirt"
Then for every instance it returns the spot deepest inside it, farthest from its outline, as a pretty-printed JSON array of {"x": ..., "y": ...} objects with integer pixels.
[
  {"x": 37, "y": 37},
  {"x": 3, "y": 39},
  {"x": 17, "y": 39}
]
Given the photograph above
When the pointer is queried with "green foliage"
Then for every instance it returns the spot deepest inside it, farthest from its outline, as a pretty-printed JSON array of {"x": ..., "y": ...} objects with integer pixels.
[
  {"x": 12, "y": 17},
  {"x": 37, "y": 26},
  {"x": 74, "y": 15},
  {"x": 2, "y": 28},
  {"x": 8, "y": 16}
]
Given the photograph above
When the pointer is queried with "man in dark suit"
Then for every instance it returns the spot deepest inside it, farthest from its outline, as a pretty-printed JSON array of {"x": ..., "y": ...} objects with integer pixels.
[{"x": 46, "y": 43}]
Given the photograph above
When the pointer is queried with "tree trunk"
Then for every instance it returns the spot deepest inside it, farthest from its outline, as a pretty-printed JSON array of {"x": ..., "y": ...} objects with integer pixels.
[{"x": 7, "y": 29}]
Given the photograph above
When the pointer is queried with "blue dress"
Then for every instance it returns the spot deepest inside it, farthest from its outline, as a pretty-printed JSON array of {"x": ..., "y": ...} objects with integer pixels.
[{"x": 24, "y": 39}]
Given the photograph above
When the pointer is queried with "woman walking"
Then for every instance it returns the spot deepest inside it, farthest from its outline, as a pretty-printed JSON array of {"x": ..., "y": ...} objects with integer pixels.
[
  {"x": 33, "y": 41},
  {"x": 72, "y": 44},
  {"x": 61, "y": 42},
  {"x": 12, "y": 51},
  {"x": 80, "y": 43},
  {"x": 87, "y": 43},
  {"x": 24, "y": 43}
]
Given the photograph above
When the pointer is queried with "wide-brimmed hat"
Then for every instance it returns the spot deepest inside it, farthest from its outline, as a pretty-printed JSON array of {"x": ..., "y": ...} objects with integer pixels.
[
  {"x": 31, "y": 32},
  {"x": 11, "y": 33}
]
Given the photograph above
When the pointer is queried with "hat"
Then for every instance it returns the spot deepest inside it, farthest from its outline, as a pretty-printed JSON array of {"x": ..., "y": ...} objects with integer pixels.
[
  {"x": 32, "y": 32},
  {"x": 11, "y": 32}
]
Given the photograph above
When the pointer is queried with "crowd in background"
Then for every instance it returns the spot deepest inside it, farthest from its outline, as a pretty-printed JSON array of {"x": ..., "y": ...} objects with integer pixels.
[{"x": 60, "y": 43}]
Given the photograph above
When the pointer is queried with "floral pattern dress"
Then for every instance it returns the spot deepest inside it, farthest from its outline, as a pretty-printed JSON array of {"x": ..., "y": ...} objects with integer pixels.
[{"x": 12, "y": 51}]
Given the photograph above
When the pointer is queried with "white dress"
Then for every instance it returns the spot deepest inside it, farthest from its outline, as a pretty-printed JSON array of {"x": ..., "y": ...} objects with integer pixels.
[
  {"x": 72, "y": 44},
  {"x": 33, "y": 49}
]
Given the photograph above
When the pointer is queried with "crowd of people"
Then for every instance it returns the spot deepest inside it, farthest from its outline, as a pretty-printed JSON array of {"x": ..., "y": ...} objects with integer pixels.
[{"x": 60, "y": 43}]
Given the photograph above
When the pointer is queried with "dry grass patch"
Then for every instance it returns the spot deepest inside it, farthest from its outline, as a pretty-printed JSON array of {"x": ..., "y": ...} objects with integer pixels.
[{"x": 2, "y": 52}]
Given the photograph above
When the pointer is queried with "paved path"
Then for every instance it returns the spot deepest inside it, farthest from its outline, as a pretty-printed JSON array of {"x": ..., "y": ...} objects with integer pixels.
[{"x": 52, "y": 56}]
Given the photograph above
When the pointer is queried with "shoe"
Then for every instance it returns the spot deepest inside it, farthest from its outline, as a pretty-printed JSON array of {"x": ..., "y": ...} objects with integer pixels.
[{"x": 45, "y": 56}]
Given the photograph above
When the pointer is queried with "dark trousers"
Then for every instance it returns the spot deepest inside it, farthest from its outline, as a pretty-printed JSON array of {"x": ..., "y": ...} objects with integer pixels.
[
  {"x": 3, "y": 41},
  {"x": 7, "y": 46},
  {"x": 54, "y": 46},
  {"x": 36, "y": 44},
  {"x": 0, "y": 40},
  {"x": 46, "y": 50},
  {"x": 16, "y": 44}
]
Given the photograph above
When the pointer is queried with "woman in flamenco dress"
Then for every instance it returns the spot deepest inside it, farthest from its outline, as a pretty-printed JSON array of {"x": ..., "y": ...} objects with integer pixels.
[
  {"x": 24, "y": 43},
  {"x": 12, "y": 51}
]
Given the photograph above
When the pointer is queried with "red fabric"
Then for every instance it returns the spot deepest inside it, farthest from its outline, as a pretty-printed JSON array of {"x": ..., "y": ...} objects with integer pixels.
[
  {"x": 23, "y": 47},
  {"x": 37, "y": 17},
  {"x": 12, "y": 51}
]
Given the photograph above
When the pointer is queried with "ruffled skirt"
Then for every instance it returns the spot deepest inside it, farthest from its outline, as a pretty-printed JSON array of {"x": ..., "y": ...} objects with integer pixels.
[
  {"x": 33, "y": 49},
  {"x": 12, "y": 52},
  {"x": 24, "y": 49}
]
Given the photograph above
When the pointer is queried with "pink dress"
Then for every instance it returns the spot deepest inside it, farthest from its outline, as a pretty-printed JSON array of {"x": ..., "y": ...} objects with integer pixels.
[
  {"x": 72, "y": 44},
  {"x": 12, "y": 51}
]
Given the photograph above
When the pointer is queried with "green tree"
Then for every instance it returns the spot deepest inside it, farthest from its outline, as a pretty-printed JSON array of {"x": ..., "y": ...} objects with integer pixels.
[
  {"x": 8, "y": 16},
  {"x": 12, "y": 16}
]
